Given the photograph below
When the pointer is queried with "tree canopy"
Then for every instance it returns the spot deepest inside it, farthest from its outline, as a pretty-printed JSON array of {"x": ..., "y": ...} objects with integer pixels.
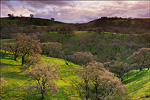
[{"x": 28, "y": 44}]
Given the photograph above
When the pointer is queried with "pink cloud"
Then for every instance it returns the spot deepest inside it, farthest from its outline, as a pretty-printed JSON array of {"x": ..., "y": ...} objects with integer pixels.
[{"x": 79, "y": 11}]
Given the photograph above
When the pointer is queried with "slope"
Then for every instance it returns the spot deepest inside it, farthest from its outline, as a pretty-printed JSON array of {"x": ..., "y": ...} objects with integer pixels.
[
  {"x": 138, "y": 84},
  {"x": 17, "y": 81}
]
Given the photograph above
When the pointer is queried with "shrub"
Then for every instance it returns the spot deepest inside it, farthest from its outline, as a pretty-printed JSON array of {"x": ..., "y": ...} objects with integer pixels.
[
  {"x": 52, "y": 49},
  {"x": 81, "y": 58},
  {"x": 145, "y": 38},
  {"x": 32, "y": 60},
  {"x": 66, "y": 30},
  {"x": 141, "y": 58}
]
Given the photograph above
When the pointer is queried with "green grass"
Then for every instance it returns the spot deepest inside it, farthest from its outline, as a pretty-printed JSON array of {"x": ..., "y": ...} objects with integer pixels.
[
  {"x": 82, "y": 33},
  {"x": 76, "y": 33},
  {"x": 50, "y": 33},
  {"x": 16, "y": 79},
  {"x": 7, "y": 40},
  {"x": 138, "y": 83}
]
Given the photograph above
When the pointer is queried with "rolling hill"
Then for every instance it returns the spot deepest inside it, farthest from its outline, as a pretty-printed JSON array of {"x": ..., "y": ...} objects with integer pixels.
[{"x": 137, "y": 84}]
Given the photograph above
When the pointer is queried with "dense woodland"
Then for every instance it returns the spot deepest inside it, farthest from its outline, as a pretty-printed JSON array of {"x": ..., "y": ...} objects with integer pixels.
[{"x": 66, "y": 61}]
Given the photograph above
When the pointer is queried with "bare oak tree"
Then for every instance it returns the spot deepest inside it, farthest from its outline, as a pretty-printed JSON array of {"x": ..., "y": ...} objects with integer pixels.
[
  {"x": 27, "y": 45},
  {"x": 98, "y": 83},
  {"x": 140, "y": 58},
  {"x": 44, "y": 75}
]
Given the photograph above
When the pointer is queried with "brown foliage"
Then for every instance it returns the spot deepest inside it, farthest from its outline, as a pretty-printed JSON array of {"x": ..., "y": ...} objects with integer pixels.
[
  {"x": 100, "y": 83},
  {"x": 117, "y": 67},
  {"x": 112, "y": 86},
  {"x": 12, "y": 47},
  {"x": 66, "y": 30},
  {"x": 44, "y": 75},
  {"x": 141, "y": 58},
  {"x": 52, "y": 49},
  {"x": 32, "y": 60},
  {"x": 81, "y": 58},
  {"x": 27, "y": 44}
]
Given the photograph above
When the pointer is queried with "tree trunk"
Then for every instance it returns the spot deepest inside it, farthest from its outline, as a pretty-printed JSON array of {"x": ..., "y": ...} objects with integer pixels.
[
  {"x": 148, "y": 68},
  {"x": 15, "y": 57},
  {"x": 140, "y": 69},
  {"x": 22, "y": 60},
  {"x": 112, "y": 35},
  {"x": 87, "y": 92},
  {"x": 43, "y": 88},
  {"x": 42, "y": 94},
  {"x": 96, "y": 90}
]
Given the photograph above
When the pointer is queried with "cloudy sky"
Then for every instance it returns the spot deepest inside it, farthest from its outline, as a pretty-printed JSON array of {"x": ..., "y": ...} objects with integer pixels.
[{"x": 76, "y": 11}]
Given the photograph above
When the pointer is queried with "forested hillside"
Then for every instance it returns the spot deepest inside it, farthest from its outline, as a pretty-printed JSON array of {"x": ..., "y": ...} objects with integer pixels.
[{"x": 104, "y": 59}]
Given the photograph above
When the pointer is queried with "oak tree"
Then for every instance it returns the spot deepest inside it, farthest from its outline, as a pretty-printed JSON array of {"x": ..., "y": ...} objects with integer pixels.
[
  {"x": 44, "y": 76},
  {"x": 141, "y": 58},
  {"x": 28, "y": 45},
  {"x": 98, "y": 83},
  {"x": 81, "y": 58},
  {"x": 53, "y": 49}
]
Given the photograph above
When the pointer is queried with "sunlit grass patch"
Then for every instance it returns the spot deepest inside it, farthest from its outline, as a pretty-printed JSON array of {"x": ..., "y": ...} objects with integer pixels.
[
  {"x": 17, "y": 80},
  {"x": 50, "y": 33},
  {"x": 7, "y": 40},
  {"x": 82, "y": 33},
  {"x": 138, "y": 83}
]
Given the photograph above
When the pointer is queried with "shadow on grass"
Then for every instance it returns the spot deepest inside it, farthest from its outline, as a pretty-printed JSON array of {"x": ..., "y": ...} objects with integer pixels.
[
  {"x": 14, "y": 75},
  {"x": 4, "y": 64},
  {"x": 139, "y": 86},
  {"x": 10, "y": 57},
  {"x": 137, "y": 76},
  {"x": 61, "y": 95}
]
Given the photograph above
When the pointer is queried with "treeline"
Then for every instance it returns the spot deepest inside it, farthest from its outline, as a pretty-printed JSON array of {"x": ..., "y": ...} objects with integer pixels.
[
  {"x": 104, "y": 24},
  {"x": 98, "y": 47}
]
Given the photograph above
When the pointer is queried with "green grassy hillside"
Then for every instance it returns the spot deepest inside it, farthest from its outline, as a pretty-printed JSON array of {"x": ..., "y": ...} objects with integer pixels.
[
  {"x": 17, "y": 80},
  {"x": 138, "y": 84}
]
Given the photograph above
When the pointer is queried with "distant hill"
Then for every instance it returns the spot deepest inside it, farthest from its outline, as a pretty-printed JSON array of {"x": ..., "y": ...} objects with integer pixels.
[
  {"x": 38, "y": 25},
  {"x": 27, "y": 25},
  {"x": 30, "y": 21},
  {"x": 114, "y": 24}
]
